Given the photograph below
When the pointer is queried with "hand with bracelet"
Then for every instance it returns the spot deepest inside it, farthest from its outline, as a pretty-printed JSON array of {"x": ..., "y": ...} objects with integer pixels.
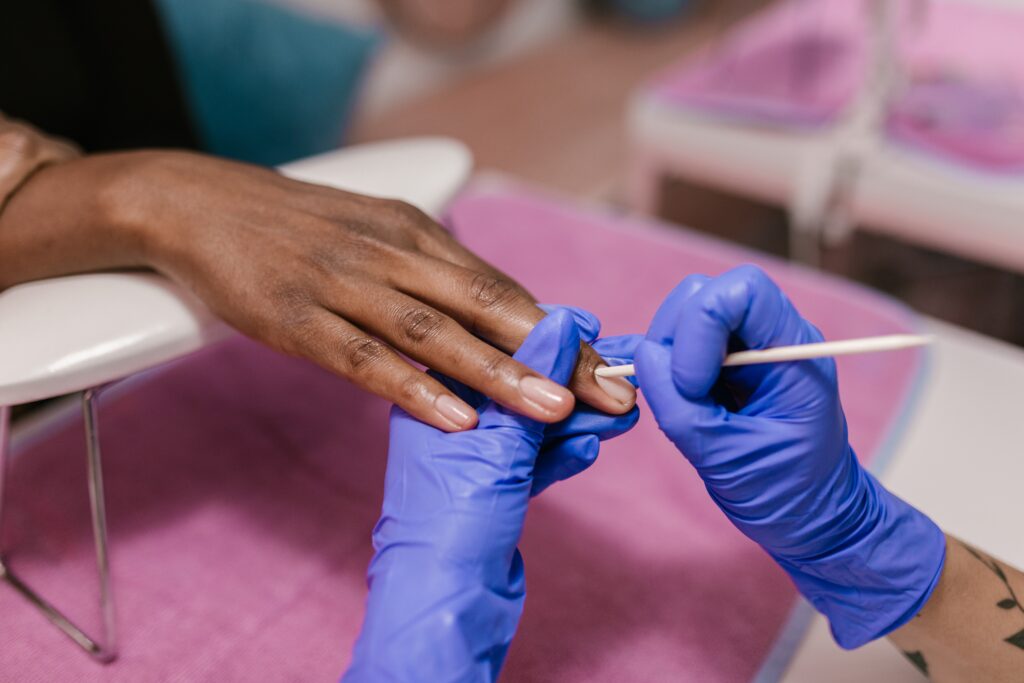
[{"x": 347, "y": 281}]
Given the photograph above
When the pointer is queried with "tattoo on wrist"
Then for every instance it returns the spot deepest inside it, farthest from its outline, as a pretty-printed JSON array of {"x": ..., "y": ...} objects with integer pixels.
[
  {"x": 917, "y": 659},
  {"x": 1008, "y": 603}
]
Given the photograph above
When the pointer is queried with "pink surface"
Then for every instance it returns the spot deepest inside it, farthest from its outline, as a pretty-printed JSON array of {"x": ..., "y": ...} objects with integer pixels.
[
  {"x": 965, "y": 101},
  {"x": 798, "y": 63},
  {"x": 243, "y": 487},
  {"x": 801, "y": 64}
]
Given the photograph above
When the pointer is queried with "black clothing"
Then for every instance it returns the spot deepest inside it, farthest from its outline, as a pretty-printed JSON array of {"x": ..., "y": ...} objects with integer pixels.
[{"x": 98, "y": 72}]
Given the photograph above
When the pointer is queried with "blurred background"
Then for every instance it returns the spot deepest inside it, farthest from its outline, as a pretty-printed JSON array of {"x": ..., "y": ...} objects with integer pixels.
[{"x": 882, "y": 141}]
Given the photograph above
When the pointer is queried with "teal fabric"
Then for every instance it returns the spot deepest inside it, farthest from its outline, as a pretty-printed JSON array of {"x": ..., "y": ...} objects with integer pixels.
[
  {"x": 265, "y": 84},
  {"x": 651, "y": 10}
]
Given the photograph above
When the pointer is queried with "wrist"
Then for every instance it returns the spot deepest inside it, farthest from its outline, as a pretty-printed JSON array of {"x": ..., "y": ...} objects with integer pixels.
[
  {"x": 23, "y": 152},
  {"x": 132, "y": 206},
  {"x": 89, "y": 199},
  {"x": 58, "y": 223},
  {"x": 93, "y": 213},
  {"x": 880, "y": 574}
]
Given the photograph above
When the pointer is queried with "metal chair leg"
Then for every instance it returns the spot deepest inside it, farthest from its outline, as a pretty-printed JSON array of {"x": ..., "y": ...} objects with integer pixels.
[{"x": 105, "y": 650}]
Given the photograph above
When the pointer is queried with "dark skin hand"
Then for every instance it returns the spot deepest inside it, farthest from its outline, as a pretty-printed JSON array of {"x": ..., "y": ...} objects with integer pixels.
[{"x": 347, "y": 281}]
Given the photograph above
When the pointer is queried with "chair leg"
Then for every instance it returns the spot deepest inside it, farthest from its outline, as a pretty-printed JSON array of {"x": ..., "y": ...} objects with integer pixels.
[{"x": 105, "y": 650}]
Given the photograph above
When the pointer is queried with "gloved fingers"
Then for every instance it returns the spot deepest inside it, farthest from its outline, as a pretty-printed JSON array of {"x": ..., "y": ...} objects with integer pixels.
[
  {"x": 618, "y": 350},
  {"x": 687, "y": 422},
  {"x": 664, "y": 324},
  {"x": 782, "y": 389},
  {"x": 587, "y": 420},
  {"x": 572, "y": 445},
  {"x": 563, "y": 458},
  {"x": 590, "y": 326},
  {"x": 623, "y": 388},
  {"x": 745, "y": 303},
  {"x": 551, "y": 349}
]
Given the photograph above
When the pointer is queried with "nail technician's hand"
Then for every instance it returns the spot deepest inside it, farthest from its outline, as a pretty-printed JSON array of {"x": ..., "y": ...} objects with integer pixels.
[
  {"x": 572, "y": 445},
  {"x": 347, "y": 281},
  {"x": 446, "y": 582},
  {"x": 770, "y": 443}
]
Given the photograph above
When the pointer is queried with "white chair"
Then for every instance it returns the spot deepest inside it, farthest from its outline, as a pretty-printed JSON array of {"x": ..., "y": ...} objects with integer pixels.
[
  {"x": 896, "y": 192},
  {"x": 83, "y": 332}
]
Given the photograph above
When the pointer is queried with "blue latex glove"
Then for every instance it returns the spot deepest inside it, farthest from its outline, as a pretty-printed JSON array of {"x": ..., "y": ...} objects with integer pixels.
[
  {"x": 770, "y": 443},
  {"x": 446, "y": 582},
  {"x": 572, "y": 445}
]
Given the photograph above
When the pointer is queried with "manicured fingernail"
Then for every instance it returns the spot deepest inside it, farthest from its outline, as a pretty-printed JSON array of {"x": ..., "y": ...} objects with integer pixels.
[
  {"x": 454, "y": 410},
  {"x": 545, "y": 394},
  {"x": 618, "y": 388}
]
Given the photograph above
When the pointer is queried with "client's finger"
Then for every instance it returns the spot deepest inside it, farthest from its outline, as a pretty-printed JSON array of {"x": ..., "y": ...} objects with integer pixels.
[
  {"x": 368, "y": 363},
  {"x": 551, "y": 349},
  {"x": 499, "y": 310}
]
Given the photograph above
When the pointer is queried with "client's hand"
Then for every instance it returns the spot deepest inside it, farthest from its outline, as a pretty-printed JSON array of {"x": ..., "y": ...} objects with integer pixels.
[
  {"x": 446, "y": 583},
  {"x": 350, "y": 282},
  {"x": 770, "y": 443}
]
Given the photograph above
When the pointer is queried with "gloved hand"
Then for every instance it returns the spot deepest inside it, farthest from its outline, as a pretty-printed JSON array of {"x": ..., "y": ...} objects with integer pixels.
[
  {"x": 770, "y": 442},
  {"x": 446, "y": 582}
]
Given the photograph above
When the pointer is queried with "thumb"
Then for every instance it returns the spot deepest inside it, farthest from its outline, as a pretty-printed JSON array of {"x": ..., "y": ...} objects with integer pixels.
[
  {"x": 682, "y": 420},
  {"x": 550, "y": 349}
]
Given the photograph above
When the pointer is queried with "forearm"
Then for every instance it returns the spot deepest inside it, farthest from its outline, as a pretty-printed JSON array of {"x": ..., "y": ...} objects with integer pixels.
[{"x": 972, "y": 627}]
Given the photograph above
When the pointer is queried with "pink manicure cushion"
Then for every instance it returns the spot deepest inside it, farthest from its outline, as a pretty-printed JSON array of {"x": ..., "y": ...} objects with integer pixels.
[
  {"x": 800, "y": 64},
  {"x": 243, "y": 486},
  {"x": 965, "y": 99},
  {"x": 797, "y": 64}
]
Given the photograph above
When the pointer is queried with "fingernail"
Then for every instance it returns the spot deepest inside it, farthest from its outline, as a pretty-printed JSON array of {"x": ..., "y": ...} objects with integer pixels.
[
  {"x": 618, "y": 388},
  {"x": 454, "y": 410},
  {"x": 545, "y": 394}
]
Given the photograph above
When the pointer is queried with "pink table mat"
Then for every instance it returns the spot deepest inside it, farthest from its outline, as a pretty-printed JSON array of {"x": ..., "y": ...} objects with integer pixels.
[
  {"x": 797, "y": 63},
  {"x": 243, "y": 486},
  {"x": 801, "y": 63}
]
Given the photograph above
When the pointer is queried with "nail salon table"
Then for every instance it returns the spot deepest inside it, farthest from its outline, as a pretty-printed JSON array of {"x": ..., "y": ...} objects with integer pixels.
[
  {"x": 835, "y": 134},
  {"x": 242, "y": 485},
  {"x": 896, "y": 193}
]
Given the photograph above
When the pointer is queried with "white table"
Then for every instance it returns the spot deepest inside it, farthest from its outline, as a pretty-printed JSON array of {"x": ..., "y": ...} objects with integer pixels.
[
  {"x": 962, "y": 461},
  {"x": 896, "y": 192}
]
